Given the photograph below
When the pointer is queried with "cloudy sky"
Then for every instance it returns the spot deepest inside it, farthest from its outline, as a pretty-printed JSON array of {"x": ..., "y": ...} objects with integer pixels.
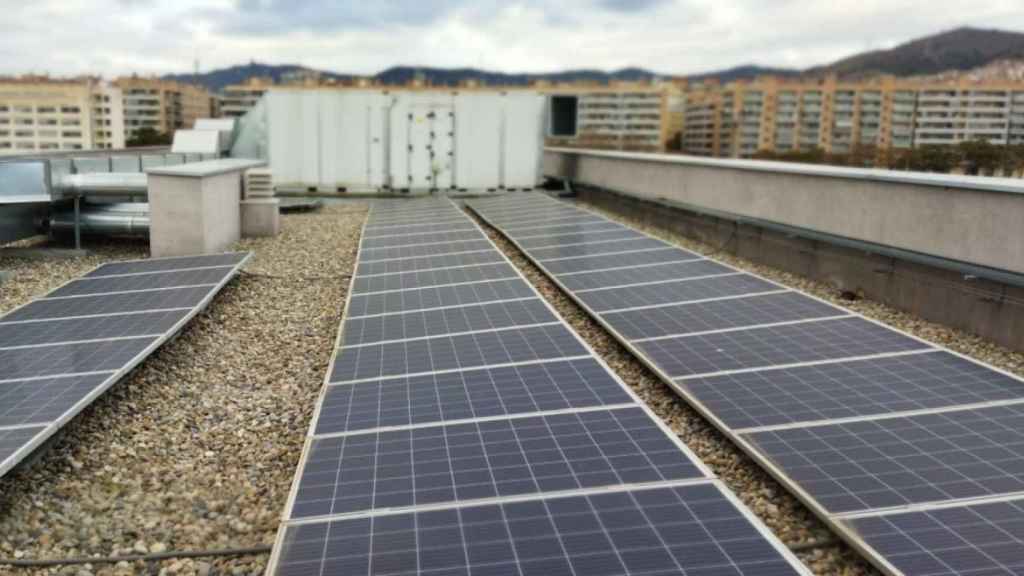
[{"x": 112, "y": 37}]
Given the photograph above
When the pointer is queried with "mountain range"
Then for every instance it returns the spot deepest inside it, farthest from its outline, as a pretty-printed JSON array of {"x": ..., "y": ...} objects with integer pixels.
[{"x": 959, "y": 49}]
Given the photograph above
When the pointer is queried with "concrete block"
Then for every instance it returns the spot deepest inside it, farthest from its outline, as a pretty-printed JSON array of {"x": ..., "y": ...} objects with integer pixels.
[{"x": 261, "y": 217}]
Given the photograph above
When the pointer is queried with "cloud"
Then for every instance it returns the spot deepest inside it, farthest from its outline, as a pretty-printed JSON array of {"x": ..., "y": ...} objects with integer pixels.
[{"x": 112, "y": 37}]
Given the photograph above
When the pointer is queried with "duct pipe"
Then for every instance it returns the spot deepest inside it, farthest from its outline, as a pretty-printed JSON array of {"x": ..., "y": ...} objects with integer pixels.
[{"x": 121, "y": 219}]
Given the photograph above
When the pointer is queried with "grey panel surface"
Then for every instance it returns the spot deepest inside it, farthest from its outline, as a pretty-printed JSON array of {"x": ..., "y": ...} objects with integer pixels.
[
  {"x": 476, "y": 317},
  {"x": 167, "y": 264},
  {"x": 427, "y": 238},
  {"x": 692, "y": 530},
  {"x": 94, "y": 328},
  {"x": 434, "y": 297},
  {"x": 638, "y": 275},
  {"x": 524, "y": 228},
  {"x": 454, "y": 352},
  {"x": 43, "y": 401},
  {"x": 70, "y": 358},
  {"x": 851, "y": 389},
  {"x": 416, "y": 251},
  {"x": 439, "y": 277},
  {"x": 905, "y": 460},
  {"x": 978, "y": 540},
  {"x": 101, "y": 285},
  {"x": 589, "y": 227},
  {"x": 596, "y": 249},
  {"x": 459, "y": 462},
  {"x": 718, "y": 315},
  {"x": 602, "y": 236},
  {"x": 675, "y": 292},
  {"x": 481, "y": 393},
  {"x": 601, "y": 262},
  {"x": 417, "y": 229},
  {"x": 777, "y": 345},
  {"x": 429, "y": 262},
  {"x": 14, "y": 439},
  {"x": 110, "y": 304}
]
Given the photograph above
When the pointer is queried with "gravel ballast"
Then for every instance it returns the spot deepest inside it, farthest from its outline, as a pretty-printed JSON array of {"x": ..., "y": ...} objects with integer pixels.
[{"x": 197, "y": 448}]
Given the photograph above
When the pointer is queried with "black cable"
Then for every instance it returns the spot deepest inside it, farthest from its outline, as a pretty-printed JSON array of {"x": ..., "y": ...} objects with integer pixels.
[{"x": 44, "y": 562}]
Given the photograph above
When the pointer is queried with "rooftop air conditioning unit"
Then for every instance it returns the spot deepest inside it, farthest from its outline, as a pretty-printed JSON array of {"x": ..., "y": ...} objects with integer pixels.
[{"x": 259, "y": 183}]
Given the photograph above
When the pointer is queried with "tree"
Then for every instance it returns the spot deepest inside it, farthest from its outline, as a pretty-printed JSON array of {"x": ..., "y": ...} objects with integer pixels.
[
  {"x": 148, "y": 137},
  {"x": 980, "y": 156},
  {"x": 933, "y": 158}
]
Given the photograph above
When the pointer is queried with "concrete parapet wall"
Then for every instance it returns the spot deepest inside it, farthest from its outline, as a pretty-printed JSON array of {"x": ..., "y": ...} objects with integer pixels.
[{"x": 968, "y": 219}]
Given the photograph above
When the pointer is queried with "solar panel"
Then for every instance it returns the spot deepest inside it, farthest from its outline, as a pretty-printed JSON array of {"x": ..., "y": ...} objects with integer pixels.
[
  {"x": 486, "y": 459},
  {"x": 985, "y": 538},
  {"x": 429, "y": 262},
  {"x": 639, "y": 275},
  {"x": 476, "y": 292},
  {"x": 695, "y": 530},
  {"x": 676, "y": 291},
  {"x": 602, "y": 236},
  {"x": 470, "y": 318},
  {"x": 595, "y": 248},
  {"x": 609, "y": 261},
  {"x": 92, "y": 328},
  {"x": 425, "y": 238},
  {"x": 419, "y": 250},
  {"x": 454, "y": 389},
  {"x": 108, "y": 304},
  {"x": 680, "y": 319},
  {"x": 863, "y": 420},
  {"x": 886, "y": 462},
  {"x": 852, "y": 389},
  {"x": 62, "y": 351},
  {"x": 547, "y": 231},
  {"x": 469, "y": 394},
  {"x": 417, "y": 230},
  {"x": 455, "y": 352},
  {"x": 774, "y": 346}
]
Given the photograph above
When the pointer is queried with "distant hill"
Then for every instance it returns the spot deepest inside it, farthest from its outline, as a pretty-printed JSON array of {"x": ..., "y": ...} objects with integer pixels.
[{"x": 959, "y": 49}]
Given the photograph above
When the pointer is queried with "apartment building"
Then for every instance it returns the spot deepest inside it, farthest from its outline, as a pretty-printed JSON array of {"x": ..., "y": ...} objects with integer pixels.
[
  {"x": 618, "y": 116},
  {"x": 780, "y": 115},
  {"x": 238, "y": 99},
  {"x": 162, "y": 105},
  {"x": 38, "y": 113}
]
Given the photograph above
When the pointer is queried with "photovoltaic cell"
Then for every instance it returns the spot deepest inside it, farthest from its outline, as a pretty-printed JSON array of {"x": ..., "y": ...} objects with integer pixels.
[
  {"x": 601, "y": 262},
  {"x": 644, "y": 274},
  {"x": 230, "y": 259},
  {"x": 435, "y": 297},
  {"x": 776, "y": 345},
  {"x": 601, "y": 235},
  {"x": 675, "y": 292},
  {"x": 93, "y": 328},
  {"x": 426, "y": 238},
  {"x": 719, "y": 314},
  {"x": 526, "y": 227},
  {"x": 851, "y": 389},
  {"x": 588, "y": 227},
  {"x": 455, "y": 352},
  {"x": 439, "y": 277},
  {"x": 417, "y": 251},
  {"x": 110, "y": 304},
  {"x": 488, "y": 459},
  {"x": 42, "y": 401},
  {"x": 100, "y": 285},
  {"x": 580, "y": 250},
  {"x": 692, "y": 530},
  {"x": 104, "y": 355},
  {"x": 14, "y": 440},
  {"x": 887, "y": 462},
  {"x": 477, "y": 317},
  {"x": 413, "y": 229},
  {"x": 979, "y": 539},
  {"x": 481, "y": 393},
  {"x": 429, "y": 262}
]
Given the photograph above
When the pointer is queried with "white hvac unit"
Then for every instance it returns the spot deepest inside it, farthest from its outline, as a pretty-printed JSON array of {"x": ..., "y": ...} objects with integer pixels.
[{"x": 415, "y": 140}]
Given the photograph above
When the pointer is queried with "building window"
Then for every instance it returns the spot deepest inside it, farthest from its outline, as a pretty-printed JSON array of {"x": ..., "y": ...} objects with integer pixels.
[
  {"x": 46, "y": 110},
  {"x": 72, "y": 134},
  {"x": 70, "y": 109}
]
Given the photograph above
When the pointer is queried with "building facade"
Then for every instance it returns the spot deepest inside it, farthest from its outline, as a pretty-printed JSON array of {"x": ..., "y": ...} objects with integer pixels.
[
  {"x": 885, "y": 114},
  {"x": 162, "y": 105},
  {"x": 238, "y": 99},
  {"x": 38, "y": 113},
  {"x": 618, "y": 116}
]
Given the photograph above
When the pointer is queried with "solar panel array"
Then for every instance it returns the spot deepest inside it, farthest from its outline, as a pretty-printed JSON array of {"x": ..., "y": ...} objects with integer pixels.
[
  {"x": 465, "y": 429},
  {"x": 62, "y": 351},
  {"x": 894, "y": 440}
]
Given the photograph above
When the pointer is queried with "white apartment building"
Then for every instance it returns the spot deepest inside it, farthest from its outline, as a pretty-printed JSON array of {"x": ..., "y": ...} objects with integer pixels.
[{"x": 39, "y": 114}]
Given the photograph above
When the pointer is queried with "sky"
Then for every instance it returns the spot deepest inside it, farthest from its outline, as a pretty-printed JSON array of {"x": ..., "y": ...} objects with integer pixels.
[{"x": 672, "y": 37}]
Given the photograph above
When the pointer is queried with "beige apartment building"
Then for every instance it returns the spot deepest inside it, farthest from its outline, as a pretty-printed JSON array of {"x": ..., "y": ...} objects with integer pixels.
[
  {"x": 779, "y": 115},
  {"x": 38, "y": 113},
  {"x": 619, "y": 116},
  {"x": 162, "y": 105},
  {"x": 238, "y": 99}
]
